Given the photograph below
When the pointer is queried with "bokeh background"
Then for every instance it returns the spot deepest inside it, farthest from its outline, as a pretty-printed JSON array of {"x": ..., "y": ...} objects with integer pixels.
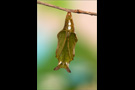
[{"x": 83, "y": 68}]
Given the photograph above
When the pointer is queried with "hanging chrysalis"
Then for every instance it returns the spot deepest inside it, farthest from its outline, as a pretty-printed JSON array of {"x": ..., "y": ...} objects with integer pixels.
[{"x": 67, "y": 39}]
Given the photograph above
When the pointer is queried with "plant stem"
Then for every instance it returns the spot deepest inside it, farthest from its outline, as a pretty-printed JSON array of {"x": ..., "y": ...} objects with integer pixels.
[{"x": 68, "y": 10}]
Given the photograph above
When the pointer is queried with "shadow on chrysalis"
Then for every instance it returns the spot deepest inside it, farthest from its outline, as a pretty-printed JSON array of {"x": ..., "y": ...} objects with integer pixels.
[{"x": 67, "y": 39}]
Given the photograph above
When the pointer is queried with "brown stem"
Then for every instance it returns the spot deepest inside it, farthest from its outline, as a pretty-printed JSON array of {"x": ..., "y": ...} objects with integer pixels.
[{"x": 68, "y": 10}]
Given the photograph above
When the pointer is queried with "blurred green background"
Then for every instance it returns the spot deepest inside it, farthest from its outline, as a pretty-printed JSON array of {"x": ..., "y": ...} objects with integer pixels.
[{"x": 83, "y": 68}]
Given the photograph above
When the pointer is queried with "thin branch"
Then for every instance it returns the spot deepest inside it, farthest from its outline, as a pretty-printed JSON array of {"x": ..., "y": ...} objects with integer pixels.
[{"x": 68, "y": 10}]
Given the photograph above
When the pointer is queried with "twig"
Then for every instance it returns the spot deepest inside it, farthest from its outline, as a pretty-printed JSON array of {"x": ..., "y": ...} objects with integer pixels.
[{"x": 68, "y": 10}]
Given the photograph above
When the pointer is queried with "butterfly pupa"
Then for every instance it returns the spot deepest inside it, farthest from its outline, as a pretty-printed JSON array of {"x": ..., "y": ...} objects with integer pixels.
[{"x": 67, "y": 39}]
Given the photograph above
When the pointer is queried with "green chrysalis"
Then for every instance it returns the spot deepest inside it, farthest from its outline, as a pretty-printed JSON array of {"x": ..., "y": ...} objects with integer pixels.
[{"x": 67, "y": 39}]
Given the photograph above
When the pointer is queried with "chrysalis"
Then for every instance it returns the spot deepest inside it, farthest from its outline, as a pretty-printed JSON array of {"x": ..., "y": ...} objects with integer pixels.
[{"x": 67, "y": 39}]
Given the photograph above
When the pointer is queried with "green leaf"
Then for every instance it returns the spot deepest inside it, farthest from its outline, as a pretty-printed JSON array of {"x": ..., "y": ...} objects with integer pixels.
[{"x": 67, "y": 39}]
